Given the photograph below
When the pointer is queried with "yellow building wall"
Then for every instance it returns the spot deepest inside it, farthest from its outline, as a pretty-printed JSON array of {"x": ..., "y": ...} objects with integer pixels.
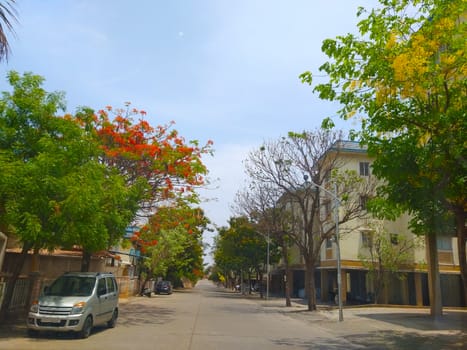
[
  {"x": 350, "y": 232},
  {"x": 351, "y": 237}
]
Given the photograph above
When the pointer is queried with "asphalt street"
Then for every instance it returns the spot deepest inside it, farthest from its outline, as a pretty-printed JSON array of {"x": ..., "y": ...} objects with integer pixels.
[{"x": 211, "y": 317}]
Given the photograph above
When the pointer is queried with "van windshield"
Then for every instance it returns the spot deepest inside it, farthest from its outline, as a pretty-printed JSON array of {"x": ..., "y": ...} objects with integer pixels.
[{"x": 66, "y": 286}]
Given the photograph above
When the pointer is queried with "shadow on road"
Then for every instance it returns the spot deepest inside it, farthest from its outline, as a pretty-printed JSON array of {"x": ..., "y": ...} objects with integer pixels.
[
  {"x": 450, "y": 321},
  {"x": 18, "y": 329},
  {"x": 223, "y": 294},
  {"x": 397, "y": 340},
  {"x": 143, "y": 313},
  {"x": 379, "y": 340},
  {"x": 13, "y": 330}
]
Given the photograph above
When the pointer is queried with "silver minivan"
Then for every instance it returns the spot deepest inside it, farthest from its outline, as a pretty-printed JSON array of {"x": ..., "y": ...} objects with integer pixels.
[{"x": 76, "y": 301}]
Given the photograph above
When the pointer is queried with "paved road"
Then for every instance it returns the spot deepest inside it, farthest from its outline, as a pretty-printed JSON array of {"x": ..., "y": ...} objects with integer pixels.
[{"x": 209, "y": 317}]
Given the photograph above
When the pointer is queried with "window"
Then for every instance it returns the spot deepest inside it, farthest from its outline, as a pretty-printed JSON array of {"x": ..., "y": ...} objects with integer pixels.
[
  {"x": 367, "y": 239},
  {"x": 328, "y": 243},
  {"x": 364, "y": 169},
  {"x": 101, "y": 288},
  {"x": 394, "y": 239},
  {"x": 363, "y": 202},
  {"x": 110, "y": 285},
  {"x": 444, "y": 243}
]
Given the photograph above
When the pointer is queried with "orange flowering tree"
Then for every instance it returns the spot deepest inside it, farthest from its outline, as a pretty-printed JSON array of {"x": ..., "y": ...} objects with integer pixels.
[
  {"x": 170, "y": 166},
  {"x": 155, "y": 159}
]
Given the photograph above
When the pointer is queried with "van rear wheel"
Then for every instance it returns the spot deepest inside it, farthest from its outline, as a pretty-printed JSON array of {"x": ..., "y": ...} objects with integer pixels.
[
  {"x": 32, "y": 333},
  {"x": 113, "y": 320},
  {"x": 87, "y": 328}
]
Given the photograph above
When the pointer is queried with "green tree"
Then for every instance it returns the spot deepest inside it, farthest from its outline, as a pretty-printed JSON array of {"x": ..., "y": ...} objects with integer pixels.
[
  {"x": 160, "y": 256},
  {"x": 188, "y": 264},
  {"x": 171, "y": 242},
  {"x": 52, "y": 186},
  {"x": 228, "y": 264},
  {"x": 241, "y": 250},
  {"x": 96, "y": 208},
  {"x": 404, "y": 78},
  {"x": 30, "y": 177},
  {"x": 384, "y": 257},
  {"x": 8, "y": 15}
]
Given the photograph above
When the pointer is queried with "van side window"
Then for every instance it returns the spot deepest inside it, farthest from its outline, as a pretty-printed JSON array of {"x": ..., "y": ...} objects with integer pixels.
[
  {"x": 101, "y": 288},
  {"x": 110, "y": 285}
]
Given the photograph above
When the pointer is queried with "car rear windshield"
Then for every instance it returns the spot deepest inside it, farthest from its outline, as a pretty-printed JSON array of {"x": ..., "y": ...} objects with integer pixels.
[{"x": 66, "y": 286}]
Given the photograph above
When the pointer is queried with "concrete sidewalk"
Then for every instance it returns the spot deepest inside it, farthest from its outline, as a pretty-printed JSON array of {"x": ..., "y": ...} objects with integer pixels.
[
  {"x": 378, "y": 327},
  {"x": 406, "y": 316},
  {"x": 454, "y": 319}
]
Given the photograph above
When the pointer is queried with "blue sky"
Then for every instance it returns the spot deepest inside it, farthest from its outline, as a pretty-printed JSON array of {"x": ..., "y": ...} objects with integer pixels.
[{"x": 223, "y": 70}]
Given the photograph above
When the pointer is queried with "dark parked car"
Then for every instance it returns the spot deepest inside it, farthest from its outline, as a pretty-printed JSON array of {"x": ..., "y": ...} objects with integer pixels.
[{"x": 163, "y": 287}]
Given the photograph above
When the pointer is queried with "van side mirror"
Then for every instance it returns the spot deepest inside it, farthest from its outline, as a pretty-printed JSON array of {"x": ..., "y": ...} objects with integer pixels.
[{"x": 46, "y": 290}]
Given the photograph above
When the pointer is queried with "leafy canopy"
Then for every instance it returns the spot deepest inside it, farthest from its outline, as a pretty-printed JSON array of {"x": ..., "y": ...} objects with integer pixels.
[
  {"x": 404, "y": 79},
  {"x": 54, "y": 190}
]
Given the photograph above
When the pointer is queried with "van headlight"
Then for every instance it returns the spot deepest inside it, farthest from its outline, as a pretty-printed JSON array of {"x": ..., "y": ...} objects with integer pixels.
[
  {"x": 34, "y": 307},
  {"x": 78, "y": 308}
]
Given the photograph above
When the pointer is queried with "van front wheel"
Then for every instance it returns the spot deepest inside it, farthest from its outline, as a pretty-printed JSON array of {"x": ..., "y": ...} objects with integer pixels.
[
  {"x": 113, "y": 320},
  {"x": 87, "y": 327}
]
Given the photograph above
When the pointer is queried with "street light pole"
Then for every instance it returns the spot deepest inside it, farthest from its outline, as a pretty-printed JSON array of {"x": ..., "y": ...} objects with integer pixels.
[
  {"x": 267, "y": 272},
  {"x": 338, "y": 249},
  {"x": 338, "y": 252}
]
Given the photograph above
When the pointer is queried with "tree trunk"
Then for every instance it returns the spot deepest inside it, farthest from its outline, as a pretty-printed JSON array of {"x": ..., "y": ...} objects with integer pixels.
[
  {"x": 379, "y": 283},
  {"x": 310, "y": 288},
  {"x": 259, "y": 283},
  {"x": 434, "y": 282},
  {"x": 461, "y": 241},
  {"x": 35, "y": 261},
  {"x": 85, "y": 261},
  {"x": 10, "y": 287},
  {"x": 143, "y": 285},
  {"x": 287, "y": 274},
  {"x": 288, "y": 287}
]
